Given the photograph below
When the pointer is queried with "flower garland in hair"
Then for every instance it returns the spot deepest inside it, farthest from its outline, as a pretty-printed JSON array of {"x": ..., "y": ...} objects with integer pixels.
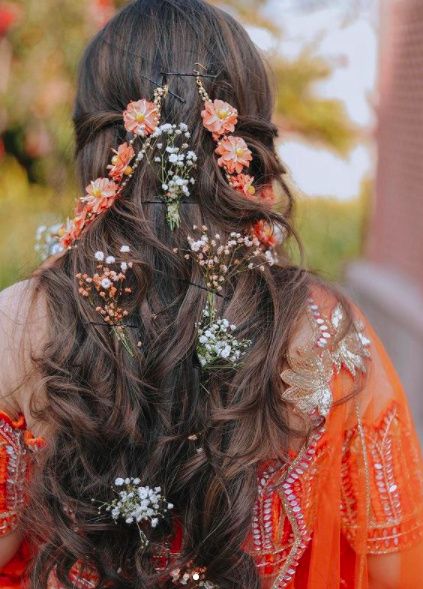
[
  {"x": 136, "y": 504},
  {"x": 141, "y": 118},
  {"x": 105, "y": 290},
  {"x": 220, "y": 118}
]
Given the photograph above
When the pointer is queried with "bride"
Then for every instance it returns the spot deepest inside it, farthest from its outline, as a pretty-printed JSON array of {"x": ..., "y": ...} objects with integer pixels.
[{"x": 180, "y": 404}]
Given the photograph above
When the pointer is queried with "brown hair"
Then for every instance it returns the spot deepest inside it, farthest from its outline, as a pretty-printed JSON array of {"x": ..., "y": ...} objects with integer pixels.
[{"x": 113, "y": 414}]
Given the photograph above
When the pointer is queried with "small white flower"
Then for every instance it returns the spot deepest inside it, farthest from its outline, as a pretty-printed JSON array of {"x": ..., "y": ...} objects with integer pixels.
[
  {"x": 106, "y": 283},
  {"x": 99, "y": 256},
  {"x": 124, "y": 266},
  {"x": 110, "y": 260},
  {"x": 125, "y": 249}
]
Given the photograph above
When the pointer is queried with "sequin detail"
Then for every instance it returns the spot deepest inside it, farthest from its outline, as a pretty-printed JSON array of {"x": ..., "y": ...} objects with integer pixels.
[
  {"x": 395, "y": 518},
  {"x": 16, "y": 444},
  {"x": 310, "y": 372}
]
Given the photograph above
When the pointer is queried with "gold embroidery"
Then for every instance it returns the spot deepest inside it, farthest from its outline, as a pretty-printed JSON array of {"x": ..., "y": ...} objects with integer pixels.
[
  {"x": 311, "y": 369},
  {"x": 309, "y": 380},
  {"x": 393, "y": 468},
  {"x": 352, "y": 351}
]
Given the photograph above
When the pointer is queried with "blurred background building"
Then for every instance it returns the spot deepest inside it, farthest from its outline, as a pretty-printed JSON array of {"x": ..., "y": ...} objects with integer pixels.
[
  {"x": 349, "y": 110},
  {"x": 388, "y": 281}
]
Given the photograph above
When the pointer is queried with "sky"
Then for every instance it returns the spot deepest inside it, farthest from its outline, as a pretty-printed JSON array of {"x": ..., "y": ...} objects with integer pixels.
[{"x": 351, "y": 45}]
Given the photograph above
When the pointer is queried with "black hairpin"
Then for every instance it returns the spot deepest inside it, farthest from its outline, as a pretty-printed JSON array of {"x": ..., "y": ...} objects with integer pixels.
[
  {"x": 191, "y": 75},
  {"x": 161, "y": 84}
]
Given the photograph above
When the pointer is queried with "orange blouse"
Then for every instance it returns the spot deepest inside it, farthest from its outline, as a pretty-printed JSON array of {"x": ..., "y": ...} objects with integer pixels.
[{"x": 355, "y": 488}]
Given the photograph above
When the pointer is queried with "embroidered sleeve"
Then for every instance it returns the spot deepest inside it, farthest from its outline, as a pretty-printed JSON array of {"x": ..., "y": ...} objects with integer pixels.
[
  {"x": 16, "y": 444},
  {"x": 330, "y": 348},
  {"x": 383, "y": 458}
]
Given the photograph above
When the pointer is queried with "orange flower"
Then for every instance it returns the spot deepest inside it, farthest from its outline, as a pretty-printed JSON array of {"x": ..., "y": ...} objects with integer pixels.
[
  {"x": 234, "y": 153},
  {"x": 120, "y": 162},
  {"x": 141, "y": 117},
  {"x": 74, "y": 228},
  {"x": 265, "y": 233},
  {"x": 219, "y": 117},
  {"x": 101, "y": 194},
  {"x": 267, "y": 194},
  {"x": 244, "y": 183}
]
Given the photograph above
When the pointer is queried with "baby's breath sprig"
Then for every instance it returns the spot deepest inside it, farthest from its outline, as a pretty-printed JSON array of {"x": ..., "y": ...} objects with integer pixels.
[
  {"x": 176, "y": 162},
  {"x": 105, "y": 289},
  {"x": 47, "y": 240},
  {"x": 217, "y": 343},
  {"x": 220, "y": 260},
  {"x": 136, "y": 504}
]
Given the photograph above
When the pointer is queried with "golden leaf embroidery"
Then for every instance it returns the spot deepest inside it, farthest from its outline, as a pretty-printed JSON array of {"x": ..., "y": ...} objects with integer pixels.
[
  {"x": 311, "y": 369},
  {"x": 309, "y": 380},
  {"x": 352, "y": 351}
]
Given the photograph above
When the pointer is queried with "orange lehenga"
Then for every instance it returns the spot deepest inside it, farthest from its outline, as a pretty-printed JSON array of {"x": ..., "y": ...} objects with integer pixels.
[{"x": 355, "y": 489}]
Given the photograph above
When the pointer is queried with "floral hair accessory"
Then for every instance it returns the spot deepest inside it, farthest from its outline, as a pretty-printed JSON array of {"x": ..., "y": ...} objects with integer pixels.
[
  {"x": 234, "y": 155},
  {"x": 120, "y": 167},
  {"x": 267, "y": 234},
  {"x": 141, "y": 119},
  {"x": 137, "y": 505},
  {"x": 104, "y": 291},
  {"x": 220, "y": 260},
  {"x": 174, "y": 163},
  {"x": 47, "y": 240},
  {"x": 220, "y": 118}
]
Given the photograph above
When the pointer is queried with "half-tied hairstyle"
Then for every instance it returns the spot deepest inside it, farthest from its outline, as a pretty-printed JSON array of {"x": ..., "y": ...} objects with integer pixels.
[{"x": 155, "y": 414}]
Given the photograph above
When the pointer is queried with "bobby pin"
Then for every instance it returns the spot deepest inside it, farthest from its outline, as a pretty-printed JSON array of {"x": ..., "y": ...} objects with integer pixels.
[
  {"x": 109, "y": 325},
  {"x": 205, "y": 288},
  {"x": 190, "y": 75}
]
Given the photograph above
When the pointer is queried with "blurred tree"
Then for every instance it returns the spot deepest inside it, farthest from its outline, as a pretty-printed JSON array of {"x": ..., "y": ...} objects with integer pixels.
[
  {"x": 40, "y": 45},
  {"x": 298, "y": 107}
]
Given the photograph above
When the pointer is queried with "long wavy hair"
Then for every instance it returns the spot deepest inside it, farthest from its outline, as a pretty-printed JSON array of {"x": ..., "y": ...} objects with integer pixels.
[{"x": 112, "y": 414}]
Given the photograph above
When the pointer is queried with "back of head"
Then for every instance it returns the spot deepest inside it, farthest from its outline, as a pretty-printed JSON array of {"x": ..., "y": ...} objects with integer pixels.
[{"x": 156, "y": 413}]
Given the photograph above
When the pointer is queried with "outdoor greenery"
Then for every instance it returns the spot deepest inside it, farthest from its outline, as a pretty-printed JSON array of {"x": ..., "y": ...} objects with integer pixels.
[{"x": 40, "y": 46}]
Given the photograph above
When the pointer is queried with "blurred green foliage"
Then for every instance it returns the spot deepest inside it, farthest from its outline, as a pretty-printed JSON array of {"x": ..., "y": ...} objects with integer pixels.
[
  {"x": 41, "y": 42},
  {"x": 330, "y": 230}
]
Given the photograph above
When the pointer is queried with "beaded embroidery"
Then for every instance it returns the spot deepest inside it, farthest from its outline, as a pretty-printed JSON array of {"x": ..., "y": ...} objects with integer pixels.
[
  {"x": 283, "y": 515},
  {"x": 395, "y": 520},
  {"x": 310, "y": 374},
  {"x": 15, "y": 446}
]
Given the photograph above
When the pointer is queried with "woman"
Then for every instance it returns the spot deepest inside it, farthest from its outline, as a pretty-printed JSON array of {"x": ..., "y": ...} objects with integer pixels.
[{"x": 204, "y": 413}]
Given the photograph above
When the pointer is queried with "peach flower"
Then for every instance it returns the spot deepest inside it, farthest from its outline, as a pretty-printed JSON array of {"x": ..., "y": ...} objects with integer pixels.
[
  {"x": 267, "y": 194},
  {"x": 120, "y": 162},
  {"x": 244, "y": 183},
  {"x": 234, "y": 153},
  {"x": 141, "y": 117},
  {"x": 265, "y": 233},
  {"x": 101, "y": 194},
  {"x": 219, "y": 117},
  {"x": 73, "y": 229}
]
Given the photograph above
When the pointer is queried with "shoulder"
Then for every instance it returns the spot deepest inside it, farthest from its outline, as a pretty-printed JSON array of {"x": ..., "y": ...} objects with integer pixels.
[
  {"x": 22, "y": 331},
  {"x": 328, "y": 353}
]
